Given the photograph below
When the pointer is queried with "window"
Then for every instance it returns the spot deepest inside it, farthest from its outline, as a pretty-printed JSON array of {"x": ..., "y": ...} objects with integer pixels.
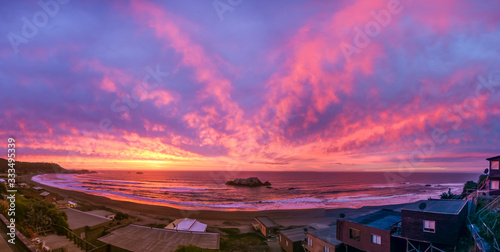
[
  {"x": 327, "y": 249},
  {"x": 376, "y": 239},
  {"x": 495, "y": 185},
  {"x": 354, "y": 234},
  {"x": 309, "y": 242},
  {"x": 495, "y": 165},
  {"x": 280, "y": 237},
  {"x": 429, "y": 226},
  {"x": 286, "y": 243}
]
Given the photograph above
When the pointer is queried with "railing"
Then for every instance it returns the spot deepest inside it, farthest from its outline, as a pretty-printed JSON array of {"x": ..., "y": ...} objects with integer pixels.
[
  {"x": 81, "y": 243},
  {"x": 395, "y": 228},
  {"x": 103, "y": 248},
  {"x": 481, "y": 243}
]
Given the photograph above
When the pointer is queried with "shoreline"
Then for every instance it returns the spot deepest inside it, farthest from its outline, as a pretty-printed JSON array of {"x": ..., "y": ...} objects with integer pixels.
[{"x": 286, "y": 217}]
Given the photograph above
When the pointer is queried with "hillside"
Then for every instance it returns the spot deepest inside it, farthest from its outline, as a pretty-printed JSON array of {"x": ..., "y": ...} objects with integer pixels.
[{"x": 23, "y": 168}]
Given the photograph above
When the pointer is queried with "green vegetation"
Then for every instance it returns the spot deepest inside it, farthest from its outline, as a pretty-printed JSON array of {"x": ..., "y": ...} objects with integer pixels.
[
  {"x": 33, "y": 214},
  {"x": 121, "y": 216},
  {"x": 154, "y": 225},
  {"x": 469, "y": 186},
  {"x": 3, "y": 189},
  {"x": 233, "y": 240},
  {"x": 449, "y": 195},
  {"x": 487, "y": 219},
  {"x": 236, "y": 241},
  {"x": 191, "y": 248}
]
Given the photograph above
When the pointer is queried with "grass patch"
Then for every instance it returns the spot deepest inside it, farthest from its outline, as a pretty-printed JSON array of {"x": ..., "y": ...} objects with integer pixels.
[{"x": 233, "y": 240}]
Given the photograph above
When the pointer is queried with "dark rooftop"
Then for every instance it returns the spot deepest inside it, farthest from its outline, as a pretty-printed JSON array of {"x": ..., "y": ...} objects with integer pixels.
[
  {"x": 296, "y": 234},
  {"x": 326, "y": 234},
  {"x": 145, "y": 239},
  {"x": 264, "y": 220},
  {"x": 493, "y": 158},
  {"x": 446, "y": 206},
  {"x": 382, "y": 219},
  {"x": 78, "y": 219}
]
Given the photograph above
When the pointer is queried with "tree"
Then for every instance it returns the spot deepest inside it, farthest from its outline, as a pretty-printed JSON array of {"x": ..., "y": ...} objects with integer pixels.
[
  {"x": 448, "y": 195},
  {"x": 3, "y": 189},
  {"x": 468, "y": 185}
]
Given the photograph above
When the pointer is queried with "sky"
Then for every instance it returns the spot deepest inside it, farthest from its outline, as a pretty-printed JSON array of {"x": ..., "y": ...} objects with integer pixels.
[{"x": 397, "y": 86}]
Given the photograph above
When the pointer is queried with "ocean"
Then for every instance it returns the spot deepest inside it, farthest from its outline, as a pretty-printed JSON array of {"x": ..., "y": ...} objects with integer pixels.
[{"x": 289, "y": 190}]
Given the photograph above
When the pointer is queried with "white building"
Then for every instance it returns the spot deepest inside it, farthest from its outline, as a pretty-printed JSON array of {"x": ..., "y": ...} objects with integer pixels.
[{"x": 187, "y": 225}]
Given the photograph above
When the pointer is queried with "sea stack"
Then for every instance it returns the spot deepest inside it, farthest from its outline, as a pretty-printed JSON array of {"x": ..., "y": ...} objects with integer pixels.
[{"x": 250, "y": 182}]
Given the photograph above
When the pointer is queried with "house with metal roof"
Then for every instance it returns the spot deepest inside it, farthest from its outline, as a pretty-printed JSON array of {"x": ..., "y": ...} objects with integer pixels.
[
  {"x": 371, "y": 232},
  {"x": 291, "y": 240},
  {"x": 146, "y": 239},
  {"x": 493, "y": 180},
  {"x": 266, "y": 226},
  {"x": 427, "y": 224},
  {"x": 86, "y": 225},
  {"x": 434, "y": 223},
  {"x": 48, "y": 197},
  {"x": 323, "y": 240}
]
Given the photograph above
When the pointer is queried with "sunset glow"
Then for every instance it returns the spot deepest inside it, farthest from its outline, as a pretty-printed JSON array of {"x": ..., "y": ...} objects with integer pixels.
[{"x": 302, "y": 85}]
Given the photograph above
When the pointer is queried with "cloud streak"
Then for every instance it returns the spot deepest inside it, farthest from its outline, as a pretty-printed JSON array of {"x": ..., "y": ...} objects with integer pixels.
[{"x": 335, "y": 86}]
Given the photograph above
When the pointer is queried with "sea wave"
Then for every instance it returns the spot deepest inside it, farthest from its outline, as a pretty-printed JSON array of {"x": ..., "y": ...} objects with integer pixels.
[{"x": 199, "y": 195}]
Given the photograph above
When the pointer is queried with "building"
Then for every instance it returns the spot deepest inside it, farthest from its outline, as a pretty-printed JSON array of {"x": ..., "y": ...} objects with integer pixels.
[
  {"x": 291, "y": 240},
  {"x": 323, "y": 240},
  {"x": 65, "y": 203},
  {"x": 103, "y": 213},
  {"x": 435, "y": 223},
  {"x": 23, "y": 185},
  {"x": 86, "y": 225},
  {"x": 146, "y": 239},
  {"x": 371, "y": 232},
  {"x": 38, "y": 188},
  {"x": 48, "y": 197},
  {"x": 187, "y": 225},
  {"x": 493, "y": 183},
  {"x": 266, "y": 226}
]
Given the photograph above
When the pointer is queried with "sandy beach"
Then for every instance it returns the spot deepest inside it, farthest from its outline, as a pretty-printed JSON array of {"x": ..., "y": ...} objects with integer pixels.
[{"x": 318, "y": 217}]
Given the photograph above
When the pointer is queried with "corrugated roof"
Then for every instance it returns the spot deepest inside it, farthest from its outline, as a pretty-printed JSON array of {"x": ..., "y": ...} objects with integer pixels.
[
  {"x": 146, "y": 239},
  {"x": 382, "y": 219},
  {"x": 446, "y": 206},
  {"x": 296, "y": 234},
  {"x": 102, "y": 213},
  {"x": 78, "y": 219},
  {"x": 266, "y": 221},
  {"x": 327, "y": 234},
  {"x": 44, "y": 194}
]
